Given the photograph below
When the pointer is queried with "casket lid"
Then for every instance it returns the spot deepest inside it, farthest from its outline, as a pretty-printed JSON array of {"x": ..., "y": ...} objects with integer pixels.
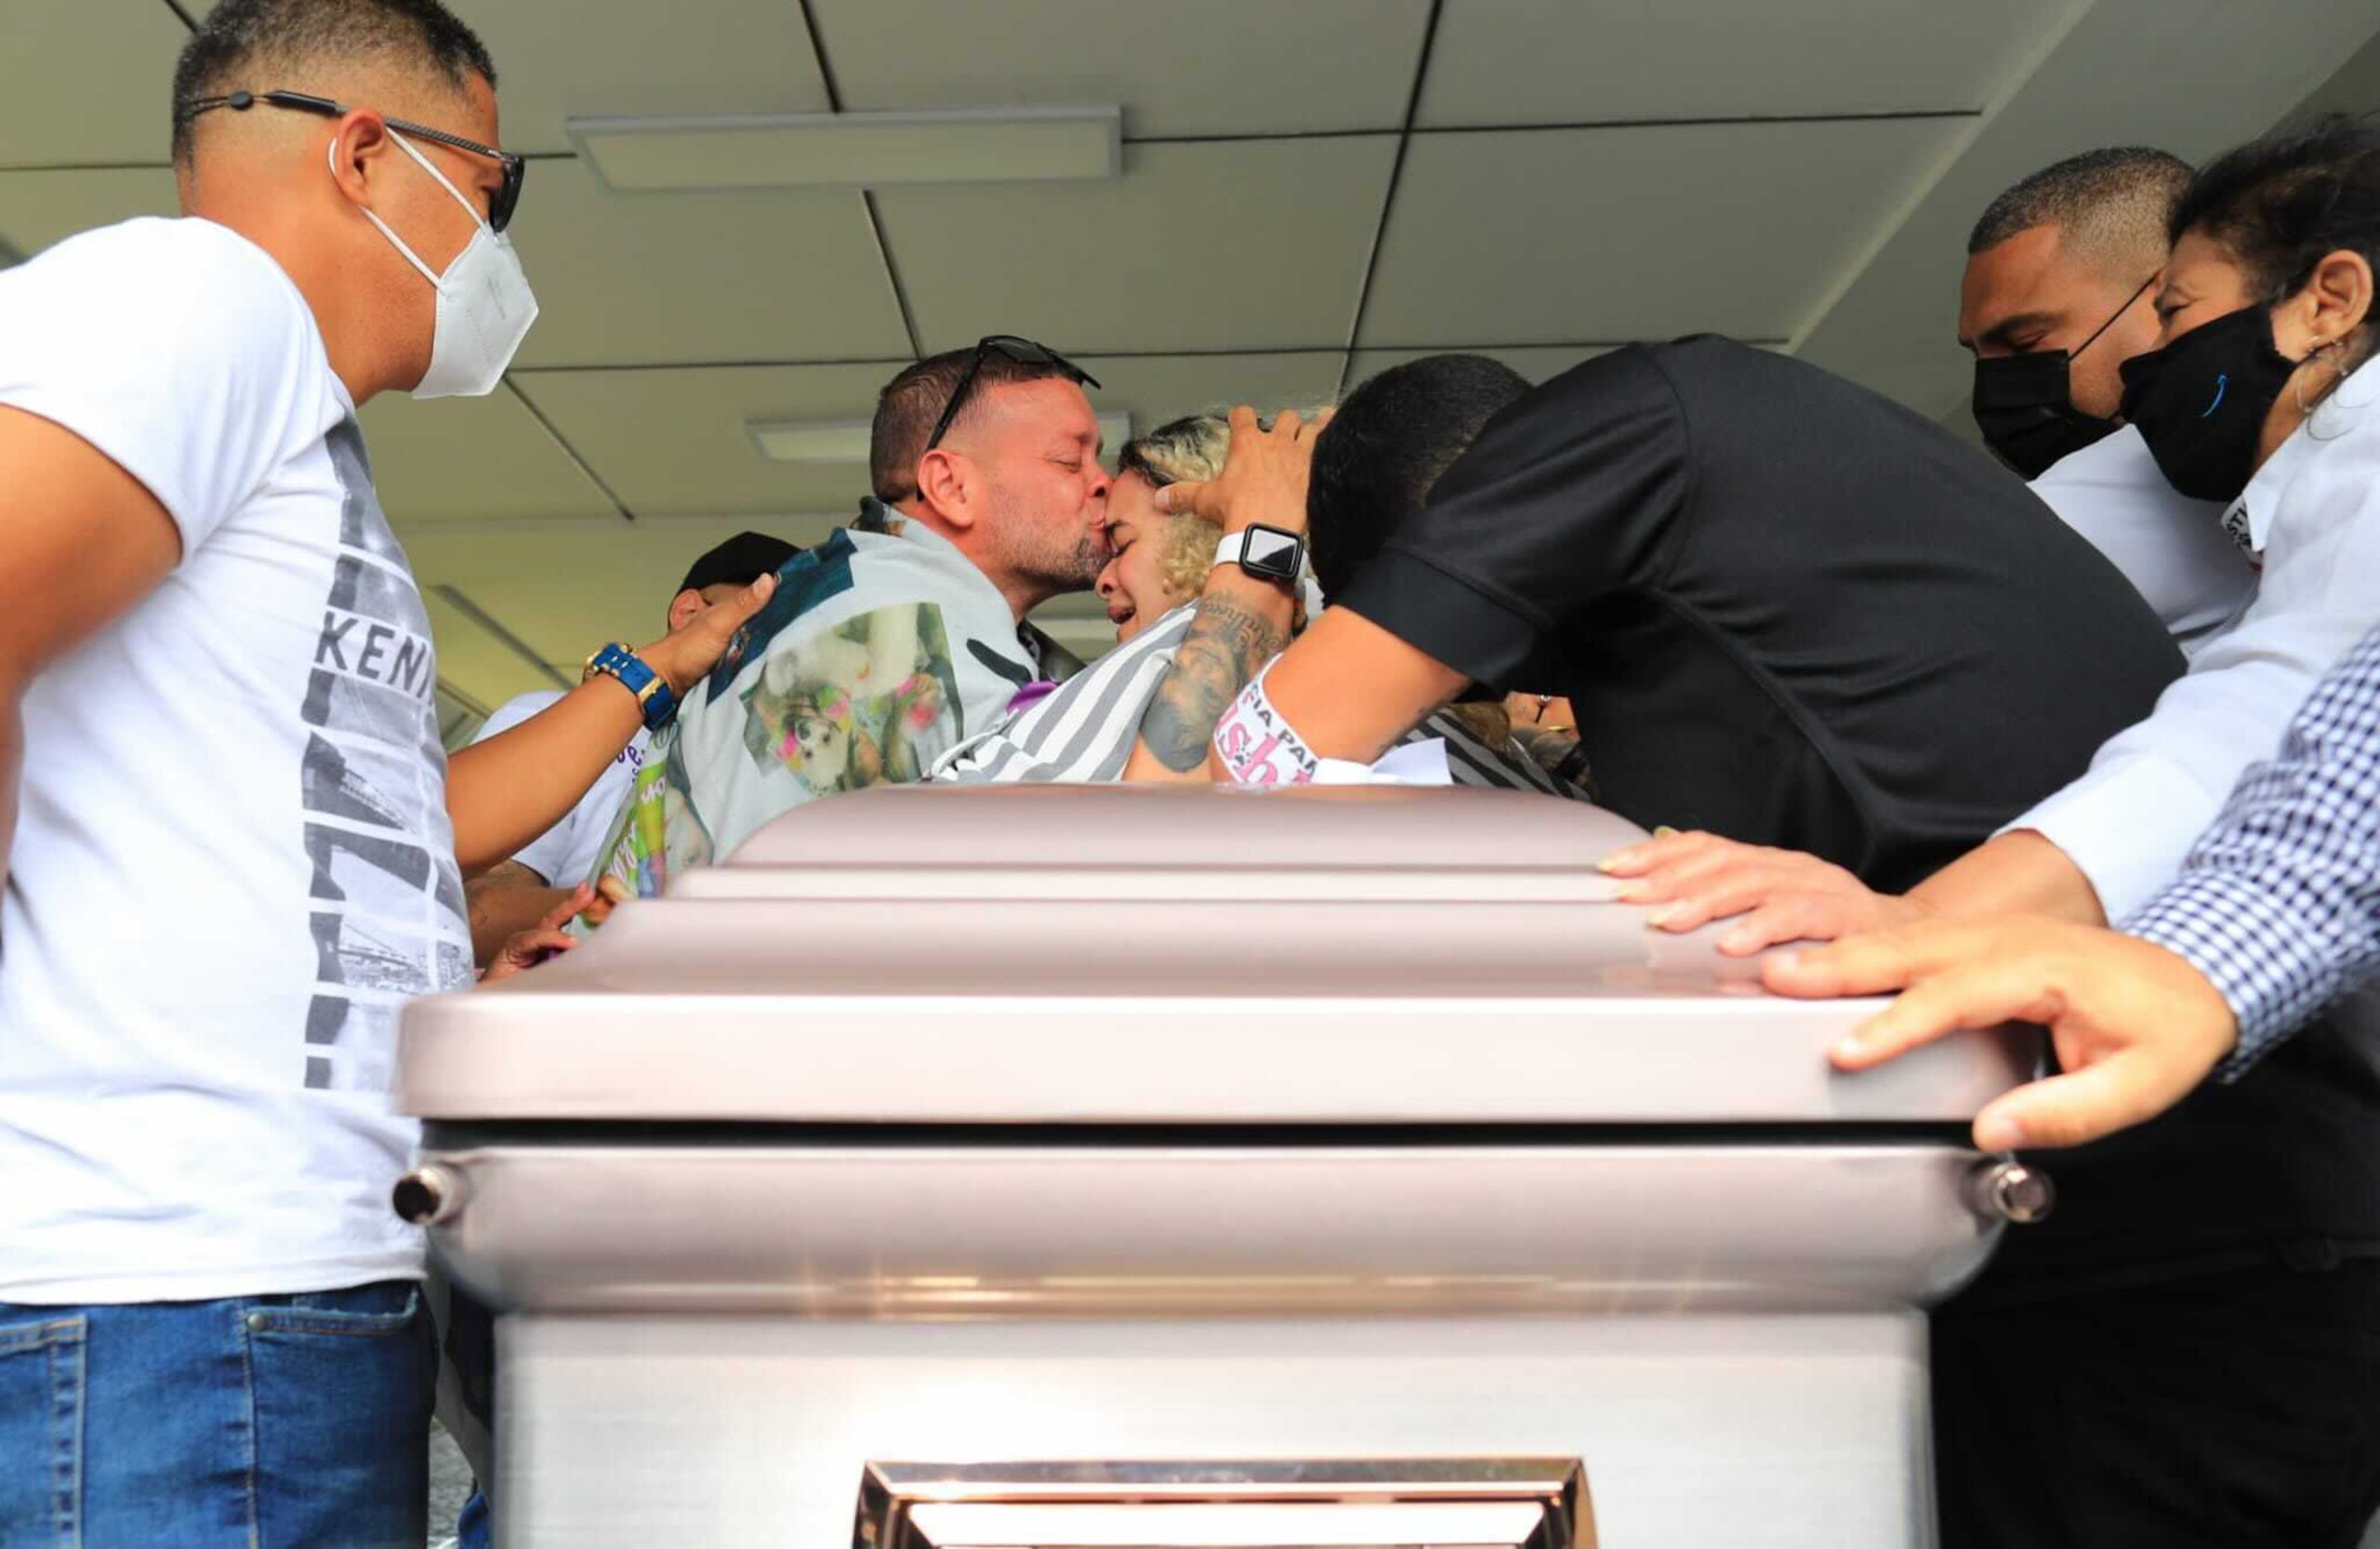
[{"x": 1045, "y": 954}]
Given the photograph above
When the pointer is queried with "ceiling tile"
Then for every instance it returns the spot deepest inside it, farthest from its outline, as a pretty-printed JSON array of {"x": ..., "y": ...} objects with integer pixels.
[
  {"x": 1129, "y": 265},
  {"x": 1175, "y": 70},
  {"x": 2193, "y": 79},
  {"x": 86, "y": 82},
  {"x": 474, "y": 661},
  {"x": 1537, "y": 364},
  {"x": 644, "y": 279},
  {"x": 40, "y": 208},
  {"x": 2355, "y": 88},
  {"x": 672, "y": 443},
  {"x": 601, "y": 58},
  {"x": 485, "y": 459},
  {"x": 1158, "y": 388},
  {"x": 1570, "y": 62},
  {"x": 565, "y": 589},
  {"x": 1531, "y": 236},
  {"x": 96, "y": 76}
]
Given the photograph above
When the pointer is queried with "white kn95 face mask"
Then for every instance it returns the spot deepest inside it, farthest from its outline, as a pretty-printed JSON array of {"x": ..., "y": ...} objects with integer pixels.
[{"x": 484, "y": 303}]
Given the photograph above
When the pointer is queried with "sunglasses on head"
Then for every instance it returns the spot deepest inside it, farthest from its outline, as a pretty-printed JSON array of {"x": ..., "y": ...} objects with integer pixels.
[
  {"x": 1024, "y": 352},
  {"x": 500, "y": 208}
]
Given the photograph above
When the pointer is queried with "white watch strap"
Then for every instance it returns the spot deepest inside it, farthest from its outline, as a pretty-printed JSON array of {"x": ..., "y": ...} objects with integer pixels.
[{"x": 1233, "y": 548}]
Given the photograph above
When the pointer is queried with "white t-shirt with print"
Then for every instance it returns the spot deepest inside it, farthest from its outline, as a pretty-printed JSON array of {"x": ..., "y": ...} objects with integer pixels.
[
  {"x": 232, "y": 864},
  {"x": 565, "y": 854}
]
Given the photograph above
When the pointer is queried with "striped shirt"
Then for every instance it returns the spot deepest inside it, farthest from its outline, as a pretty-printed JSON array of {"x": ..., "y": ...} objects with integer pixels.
[{"x": 1083, "y": 732}]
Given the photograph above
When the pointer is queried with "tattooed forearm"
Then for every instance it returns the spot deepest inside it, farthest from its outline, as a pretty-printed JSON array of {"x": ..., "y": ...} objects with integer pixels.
[{"x": 1226, "y": 645}]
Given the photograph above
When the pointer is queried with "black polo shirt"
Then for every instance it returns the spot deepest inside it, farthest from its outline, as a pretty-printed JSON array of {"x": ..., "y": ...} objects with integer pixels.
[{"x": 1786, "y": 610}]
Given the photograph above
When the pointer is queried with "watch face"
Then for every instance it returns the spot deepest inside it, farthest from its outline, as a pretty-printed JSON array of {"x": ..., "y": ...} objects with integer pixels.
[{"x": 1271, "y": 553}]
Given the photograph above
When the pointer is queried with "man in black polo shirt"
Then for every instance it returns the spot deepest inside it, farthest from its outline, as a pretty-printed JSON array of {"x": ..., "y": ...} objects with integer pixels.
[
  {"x": 1790, "y": 612},
  {"x": 1783, "y": 608}
]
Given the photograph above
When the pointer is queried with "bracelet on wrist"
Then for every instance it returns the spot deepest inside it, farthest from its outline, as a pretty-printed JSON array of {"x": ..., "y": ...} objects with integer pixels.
[{"x": 655, "y": 700}]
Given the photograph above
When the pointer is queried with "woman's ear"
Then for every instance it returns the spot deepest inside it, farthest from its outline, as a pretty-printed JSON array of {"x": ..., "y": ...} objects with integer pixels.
[{"x": 2339, "y": 297}]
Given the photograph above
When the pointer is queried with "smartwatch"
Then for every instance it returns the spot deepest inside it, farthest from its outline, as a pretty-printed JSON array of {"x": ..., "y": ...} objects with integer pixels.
[
  {"x": 1267, "y": 553},
  {"x": 652, "y": 689}
]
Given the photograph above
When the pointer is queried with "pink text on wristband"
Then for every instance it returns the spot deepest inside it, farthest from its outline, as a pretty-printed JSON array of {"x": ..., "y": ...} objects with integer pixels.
[{"x": 1258, "y": 747}]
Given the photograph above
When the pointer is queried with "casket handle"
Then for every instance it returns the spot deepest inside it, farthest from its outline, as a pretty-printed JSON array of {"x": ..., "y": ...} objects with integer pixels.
[
  {"x": 428, "y": 1195},
  {"x": 2001, "y": 1188}
]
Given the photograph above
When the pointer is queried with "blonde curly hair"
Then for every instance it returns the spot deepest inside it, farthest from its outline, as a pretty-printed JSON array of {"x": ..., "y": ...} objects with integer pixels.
[{"x": 1189, "y": 450}]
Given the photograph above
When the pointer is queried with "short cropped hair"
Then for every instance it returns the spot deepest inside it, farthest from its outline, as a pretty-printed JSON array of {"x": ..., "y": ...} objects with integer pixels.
[
  {"x": 1375, "y": 464},
  {"x": 2110, "y": 206},
  {"x": 907, "y": 409},
  {"x": 2280, "y": 204},
  {"x": 242, "y": 39}
]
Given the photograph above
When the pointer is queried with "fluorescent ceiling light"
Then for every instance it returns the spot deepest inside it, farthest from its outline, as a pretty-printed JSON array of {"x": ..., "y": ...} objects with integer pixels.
[
  {"x": 802, "y": 440},
  {"x": 853, "y": 150},
  {"x": 843, "y": 443}
]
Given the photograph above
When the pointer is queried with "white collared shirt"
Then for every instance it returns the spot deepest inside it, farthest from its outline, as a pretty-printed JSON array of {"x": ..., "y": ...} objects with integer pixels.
[
  {"x": 2313, "y": 513},
  {"x": 2171, "y": 547}
]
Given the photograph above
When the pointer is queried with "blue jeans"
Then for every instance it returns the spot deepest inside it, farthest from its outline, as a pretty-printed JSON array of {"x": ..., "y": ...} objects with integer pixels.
[{"x": 254, "y": 1422}]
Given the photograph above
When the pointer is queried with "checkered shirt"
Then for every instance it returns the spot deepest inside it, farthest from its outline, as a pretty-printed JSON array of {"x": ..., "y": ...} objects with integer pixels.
[{"x": 2278, "y": 902}]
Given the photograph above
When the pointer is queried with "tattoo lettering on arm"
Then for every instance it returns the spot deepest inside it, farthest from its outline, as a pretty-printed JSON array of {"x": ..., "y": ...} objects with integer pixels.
[{"x": 1225, "y": 647}]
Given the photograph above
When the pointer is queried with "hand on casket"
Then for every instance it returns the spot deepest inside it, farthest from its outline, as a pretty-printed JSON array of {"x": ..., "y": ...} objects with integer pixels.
[
  {"x": 2136, "y": 1026},
  {"x": 1784, "y": 894}
]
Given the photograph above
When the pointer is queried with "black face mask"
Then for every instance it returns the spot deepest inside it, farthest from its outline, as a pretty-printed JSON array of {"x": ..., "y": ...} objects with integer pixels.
[
  {"x": 2201, "y": 402},
  {"x": 2024, "y": 407}
]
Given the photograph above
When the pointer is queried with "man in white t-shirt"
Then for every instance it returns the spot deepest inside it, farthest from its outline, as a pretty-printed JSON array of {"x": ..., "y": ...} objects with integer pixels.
[
  {"x": 516, "y": 894},
  {"x": 232, "y": 845}
]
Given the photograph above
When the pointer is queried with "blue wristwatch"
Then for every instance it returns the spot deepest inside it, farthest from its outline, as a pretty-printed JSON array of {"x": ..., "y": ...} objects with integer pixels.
[{"x": 652, "y": 689}]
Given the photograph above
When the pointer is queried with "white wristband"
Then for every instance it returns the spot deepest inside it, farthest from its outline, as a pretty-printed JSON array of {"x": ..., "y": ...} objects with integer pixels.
[{"x": 1258, "y": 748}]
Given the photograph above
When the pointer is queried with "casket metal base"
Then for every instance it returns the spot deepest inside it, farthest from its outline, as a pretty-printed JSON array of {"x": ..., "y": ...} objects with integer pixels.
[{"x": 1790, "y": 1431}]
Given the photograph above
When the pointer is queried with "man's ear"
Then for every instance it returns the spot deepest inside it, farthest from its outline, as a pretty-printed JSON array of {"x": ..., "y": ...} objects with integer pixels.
[
  {"x": 684, "y": 608},
  {"x": 357, "y": 148},
  {"x": 947, "y": 486}
]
